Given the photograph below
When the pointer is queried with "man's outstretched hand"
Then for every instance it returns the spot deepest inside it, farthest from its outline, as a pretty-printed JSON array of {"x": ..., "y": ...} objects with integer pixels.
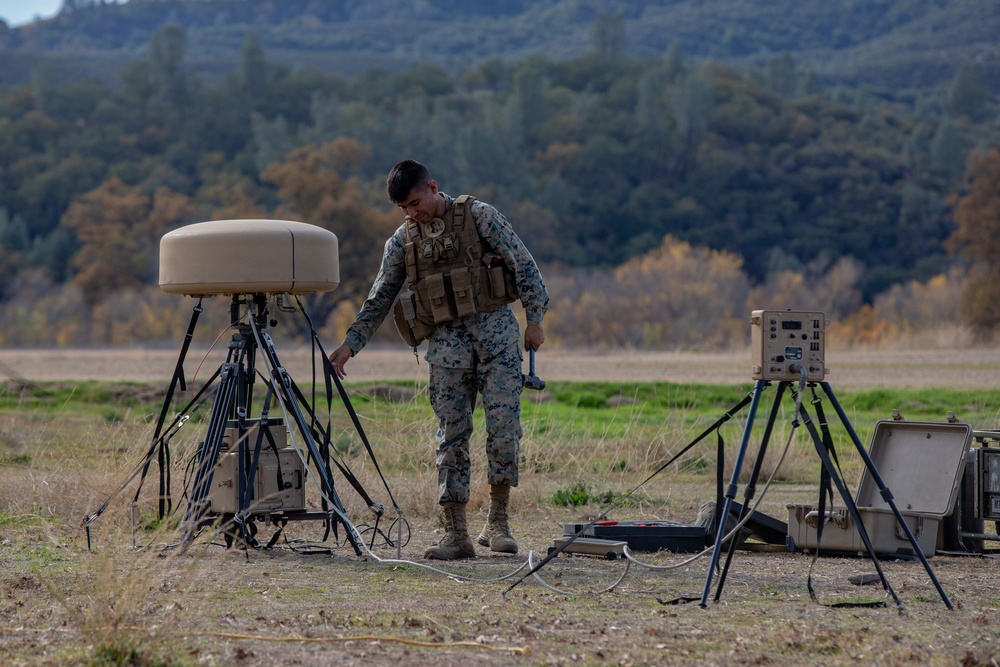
[{"x": 338, "y": 358}]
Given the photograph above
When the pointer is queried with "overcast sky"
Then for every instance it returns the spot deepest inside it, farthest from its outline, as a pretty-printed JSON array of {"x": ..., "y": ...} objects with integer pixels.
[{"x": 19, "y": 12}]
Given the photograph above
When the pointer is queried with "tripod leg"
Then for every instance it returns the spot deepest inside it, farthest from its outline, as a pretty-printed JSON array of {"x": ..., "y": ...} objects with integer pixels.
[
  {"x": 885, "y": 492},
  {"x": 178, "y": 377},
  {"x": 209, "y": 455},
  {"x": 750, "y": 489},
  {"x": 284, "y": 384},
  {"x": 758, "y": 389},
  {"x": 845, "y": 495}
]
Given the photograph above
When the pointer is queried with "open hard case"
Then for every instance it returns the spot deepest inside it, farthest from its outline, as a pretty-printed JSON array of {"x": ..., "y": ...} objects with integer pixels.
[{"x": 922, "y": 464}]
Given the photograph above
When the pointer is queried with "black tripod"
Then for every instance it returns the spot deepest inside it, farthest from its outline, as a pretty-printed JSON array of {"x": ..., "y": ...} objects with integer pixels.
[
  {"x": 824, "y": 448},
  {"x": 232, "y": 432},
  {"x": 231, "y": 410}
]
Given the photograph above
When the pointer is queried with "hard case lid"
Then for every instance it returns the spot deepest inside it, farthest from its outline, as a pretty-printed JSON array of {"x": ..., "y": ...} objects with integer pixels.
[{"x": 921, "y": 463}]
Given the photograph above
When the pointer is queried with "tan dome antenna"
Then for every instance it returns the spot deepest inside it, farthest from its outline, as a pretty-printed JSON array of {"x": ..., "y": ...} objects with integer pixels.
[{"x": 249, "y": 257}]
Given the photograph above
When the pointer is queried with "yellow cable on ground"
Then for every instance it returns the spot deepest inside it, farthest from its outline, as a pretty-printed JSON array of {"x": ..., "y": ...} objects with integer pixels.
[{"x": 521, "y": 650}]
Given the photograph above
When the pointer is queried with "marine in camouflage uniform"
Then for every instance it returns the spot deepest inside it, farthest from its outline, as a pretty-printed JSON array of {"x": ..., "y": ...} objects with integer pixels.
[{"x": 478, "y": 354}]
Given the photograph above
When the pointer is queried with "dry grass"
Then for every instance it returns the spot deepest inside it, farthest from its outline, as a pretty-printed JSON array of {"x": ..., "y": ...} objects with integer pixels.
[{"x": 62, "y": 604}]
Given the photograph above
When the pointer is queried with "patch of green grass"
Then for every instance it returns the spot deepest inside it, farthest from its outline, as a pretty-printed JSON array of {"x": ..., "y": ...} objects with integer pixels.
[
  {"x": 661, "y": 395},
  {"x": 124, "y": 654},
  {"x": 580, "y": 493},
  {"x": 608, "y": 498},
  {"x": 348, "y": 445},
  {"x": 573, "y": 496},
  {"x": 44, "y": 556},
  {"x": 13, "y": 520},
  {"x": 924, "y": 404}
]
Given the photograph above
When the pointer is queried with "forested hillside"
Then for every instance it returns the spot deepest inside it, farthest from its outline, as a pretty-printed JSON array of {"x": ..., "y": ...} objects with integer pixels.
[
  {"x": 622, "y": 151},
  {"x": 894, "y": 46}
]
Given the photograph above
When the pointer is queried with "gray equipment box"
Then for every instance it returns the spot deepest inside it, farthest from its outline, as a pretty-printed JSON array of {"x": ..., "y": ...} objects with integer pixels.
[
  {"x": 269, "y": 494},
  {"x": 590, "y": 546},
  {"x": 922, "y": 464},
  {"x": 649, "y": 536}
]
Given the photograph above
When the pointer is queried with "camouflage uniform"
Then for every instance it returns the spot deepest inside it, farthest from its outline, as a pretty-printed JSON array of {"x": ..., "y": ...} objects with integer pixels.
[{"x": 477, "y": 354}]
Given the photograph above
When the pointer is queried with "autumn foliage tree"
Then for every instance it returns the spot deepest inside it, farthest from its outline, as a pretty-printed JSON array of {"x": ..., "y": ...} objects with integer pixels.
[
  {"x": 977, "y": 214},
  {"x": 119, "y": 229},
  {"x": 675, "y": 296},
  {"x": 321, "y": 188}
]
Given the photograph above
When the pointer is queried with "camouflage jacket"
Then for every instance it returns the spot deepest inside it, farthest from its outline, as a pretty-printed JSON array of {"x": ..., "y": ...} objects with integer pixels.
[{"x": 451, "y": 344}]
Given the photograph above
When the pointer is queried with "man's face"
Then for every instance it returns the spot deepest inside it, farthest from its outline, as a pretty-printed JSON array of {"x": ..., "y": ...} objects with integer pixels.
[{"x": 423, "y": 203}]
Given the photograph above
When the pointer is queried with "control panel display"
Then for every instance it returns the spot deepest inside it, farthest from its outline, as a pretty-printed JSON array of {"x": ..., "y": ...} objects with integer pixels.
[{"x": 783, "y": 342}]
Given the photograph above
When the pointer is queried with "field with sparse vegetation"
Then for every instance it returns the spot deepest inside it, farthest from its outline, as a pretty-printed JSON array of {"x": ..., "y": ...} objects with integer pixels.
[{"x": 69, "y": 438}]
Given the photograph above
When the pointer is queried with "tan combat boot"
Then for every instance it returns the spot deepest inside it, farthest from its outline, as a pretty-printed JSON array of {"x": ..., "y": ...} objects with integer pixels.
[
  {"x": 456, "y": 543},
  {"x": 496, "y": 534}
]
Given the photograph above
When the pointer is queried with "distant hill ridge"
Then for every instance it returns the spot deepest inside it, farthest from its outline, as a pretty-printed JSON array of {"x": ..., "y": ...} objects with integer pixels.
[{"x": 886, "y": 44}]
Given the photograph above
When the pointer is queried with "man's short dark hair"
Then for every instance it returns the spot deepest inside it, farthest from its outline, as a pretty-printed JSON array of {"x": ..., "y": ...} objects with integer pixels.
[{"x": 405, "y": 176}]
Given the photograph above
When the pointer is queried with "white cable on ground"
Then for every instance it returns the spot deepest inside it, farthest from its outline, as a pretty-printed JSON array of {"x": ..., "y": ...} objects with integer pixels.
[{"x": 562, "y": 592}]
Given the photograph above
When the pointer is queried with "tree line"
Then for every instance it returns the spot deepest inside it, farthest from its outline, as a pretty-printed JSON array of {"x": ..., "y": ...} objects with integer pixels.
[{"x": 615, "y": 170}]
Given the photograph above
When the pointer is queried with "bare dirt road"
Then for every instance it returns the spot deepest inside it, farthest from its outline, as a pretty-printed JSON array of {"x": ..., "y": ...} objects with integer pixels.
[{"x": 849, "y": 369}]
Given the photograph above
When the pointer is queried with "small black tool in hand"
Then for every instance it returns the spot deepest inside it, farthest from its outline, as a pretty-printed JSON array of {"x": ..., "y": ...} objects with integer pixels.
[{"x": 532, "y": 381}]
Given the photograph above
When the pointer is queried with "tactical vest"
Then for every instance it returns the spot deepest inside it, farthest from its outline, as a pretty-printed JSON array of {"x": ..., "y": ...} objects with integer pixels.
[{"x": 451, "y": 273}]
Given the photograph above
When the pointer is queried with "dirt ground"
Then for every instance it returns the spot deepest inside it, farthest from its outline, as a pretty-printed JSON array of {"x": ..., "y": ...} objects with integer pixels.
[
  {"x": 218, "y": 607},
  {"x": 848, "y": 369},
  {"x": 60, "y": 602}
]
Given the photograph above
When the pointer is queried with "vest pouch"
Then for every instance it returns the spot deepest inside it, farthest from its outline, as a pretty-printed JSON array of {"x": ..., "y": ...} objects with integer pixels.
[
  {"x": 497, "y": 290},
  {"x": 404, "y": 316},
  {"x": 498, "y": 283},
  {"x": 399, "y": 309},
  {"x": 437, "y": 297},
  {"x": 461, "y": 288}
]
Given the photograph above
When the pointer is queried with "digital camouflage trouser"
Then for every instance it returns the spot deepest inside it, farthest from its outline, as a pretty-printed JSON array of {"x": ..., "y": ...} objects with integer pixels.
[{"x": 453, "y": 397}]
